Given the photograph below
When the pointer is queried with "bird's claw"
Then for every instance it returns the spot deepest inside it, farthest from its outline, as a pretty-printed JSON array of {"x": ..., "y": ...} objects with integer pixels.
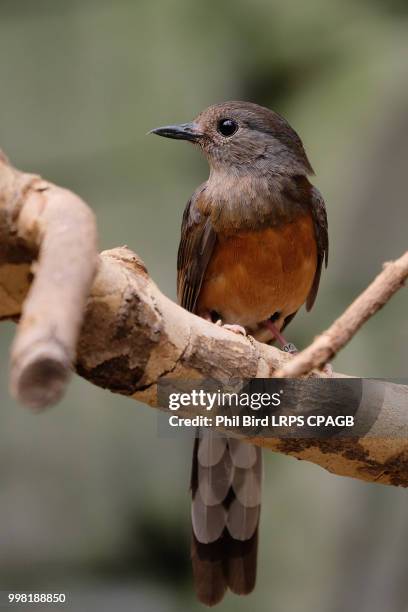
[{"x": 236, "y": 329}]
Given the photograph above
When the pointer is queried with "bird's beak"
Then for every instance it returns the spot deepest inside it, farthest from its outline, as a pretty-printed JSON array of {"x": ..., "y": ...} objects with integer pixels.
[{"x": 183, "y": 131}]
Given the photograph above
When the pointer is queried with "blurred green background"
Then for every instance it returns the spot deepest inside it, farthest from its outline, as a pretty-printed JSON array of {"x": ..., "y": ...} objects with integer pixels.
[{"x": 91, "y": 500}]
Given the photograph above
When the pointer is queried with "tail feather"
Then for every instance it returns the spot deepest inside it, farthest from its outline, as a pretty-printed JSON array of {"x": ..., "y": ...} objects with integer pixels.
[
  {"x": 215, "y": 481},
  {"x": 241, "y": 566},
  {"x": 242, "y": 455},
  {"x": 208, "y": 521},
  {"x": 208, "y": 569},
  {"x": 242, "y": 521},
  {"x": 211, "y": 449},
  {"x": 226, "y": 492},
  {"x": 247, "y": 483}
]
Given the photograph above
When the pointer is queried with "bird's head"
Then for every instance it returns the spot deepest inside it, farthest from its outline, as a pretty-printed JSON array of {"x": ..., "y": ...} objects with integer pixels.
[{"x": 243, "y": 137}]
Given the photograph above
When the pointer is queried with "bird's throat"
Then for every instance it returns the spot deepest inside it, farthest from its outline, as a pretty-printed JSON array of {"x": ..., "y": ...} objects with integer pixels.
[{"x": 247, "y": 201}]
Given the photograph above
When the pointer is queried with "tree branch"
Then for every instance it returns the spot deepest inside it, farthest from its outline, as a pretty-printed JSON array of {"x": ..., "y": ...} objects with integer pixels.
[
  {"x": 40, "y": 219},
  {"x": 132, "y": 336}
]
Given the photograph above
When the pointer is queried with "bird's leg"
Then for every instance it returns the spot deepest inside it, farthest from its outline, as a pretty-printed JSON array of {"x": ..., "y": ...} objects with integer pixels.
[
  {"x": 289, "y": 347},
  {"x": 286, "y": 346}
]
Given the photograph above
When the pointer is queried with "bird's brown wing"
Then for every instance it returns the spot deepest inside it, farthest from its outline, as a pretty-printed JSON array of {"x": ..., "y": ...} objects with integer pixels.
[
  {"x": 299, "y": 190},
  {"x": 318, "y": 209},
  {"x": 197, "y": 243}
]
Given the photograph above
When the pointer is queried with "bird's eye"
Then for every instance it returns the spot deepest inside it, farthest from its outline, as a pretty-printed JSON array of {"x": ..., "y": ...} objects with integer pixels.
[{"x": 227, "y": 127}]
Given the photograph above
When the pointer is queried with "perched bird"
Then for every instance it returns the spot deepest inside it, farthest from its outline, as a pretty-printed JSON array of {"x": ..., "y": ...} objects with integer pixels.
[{"x": 253, "y": 241}]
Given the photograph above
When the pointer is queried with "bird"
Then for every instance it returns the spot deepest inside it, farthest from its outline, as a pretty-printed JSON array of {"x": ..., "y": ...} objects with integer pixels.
[{"x": 254, "y": 239}]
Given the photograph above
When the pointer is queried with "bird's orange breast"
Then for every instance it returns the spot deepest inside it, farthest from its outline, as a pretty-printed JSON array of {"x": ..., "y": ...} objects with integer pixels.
[{"x": 254, "y": 274}]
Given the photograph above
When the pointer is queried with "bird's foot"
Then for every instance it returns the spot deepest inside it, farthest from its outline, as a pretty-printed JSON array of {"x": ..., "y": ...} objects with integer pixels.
[
  {"x": 286, "y": 346},
  {"x": 236, "y": 329}
]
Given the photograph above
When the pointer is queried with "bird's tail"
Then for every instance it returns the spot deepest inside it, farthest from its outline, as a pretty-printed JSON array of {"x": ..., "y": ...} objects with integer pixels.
[{"x": 226, "y": 497}]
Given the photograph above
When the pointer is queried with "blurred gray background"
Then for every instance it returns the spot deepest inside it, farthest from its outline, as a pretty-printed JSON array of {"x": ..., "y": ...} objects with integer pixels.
[{"x": 92, "y": 502}]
